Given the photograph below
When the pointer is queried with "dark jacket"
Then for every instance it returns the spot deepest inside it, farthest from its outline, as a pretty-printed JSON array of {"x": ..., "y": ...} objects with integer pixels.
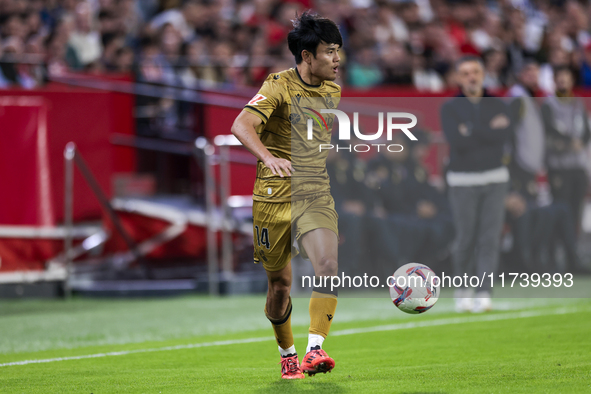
[{"x": 480, "y": 148}]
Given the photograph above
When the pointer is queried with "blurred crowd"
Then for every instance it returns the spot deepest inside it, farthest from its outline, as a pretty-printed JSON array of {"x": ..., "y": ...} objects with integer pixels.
[{"x": 238, "y": 42}]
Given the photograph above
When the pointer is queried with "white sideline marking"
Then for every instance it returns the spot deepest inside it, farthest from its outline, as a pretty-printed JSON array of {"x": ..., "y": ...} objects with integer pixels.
[
  {"x": 352, "y": 331},
  {"x": 126, "y": 352}
]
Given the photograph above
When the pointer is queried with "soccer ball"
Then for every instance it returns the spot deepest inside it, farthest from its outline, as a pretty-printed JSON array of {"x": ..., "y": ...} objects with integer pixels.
[{"x": 413, "y": 289}]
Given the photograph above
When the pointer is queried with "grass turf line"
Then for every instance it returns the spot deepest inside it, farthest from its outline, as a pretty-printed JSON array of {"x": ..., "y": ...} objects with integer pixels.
[
  {"x": 351, "y": 331},
  {"x": 534, "y": 354}
]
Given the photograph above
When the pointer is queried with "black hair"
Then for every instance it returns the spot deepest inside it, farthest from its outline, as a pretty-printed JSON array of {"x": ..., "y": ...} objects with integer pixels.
[
  {"x": 309, "y": 30},
  {"x": 105, "y": 15},
  {"x": 147, "y": 42},
  {"x": 49, "y": 38},
  {"x": 527, "y": 62},
  {"x": 108, "y": 38},
  {"x": 469, "y": 58},
  {"x": 423, "y": 137},
  {"x": 558, "y": 69},
  {"x": 122, "y": 49}
]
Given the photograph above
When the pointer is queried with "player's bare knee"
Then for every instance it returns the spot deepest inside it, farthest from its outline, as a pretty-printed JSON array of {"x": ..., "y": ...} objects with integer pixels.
[
  {"x": 279, "y": 293},
  {"x": 279, "y": 289},
  {"x": 327, "y": 266}
]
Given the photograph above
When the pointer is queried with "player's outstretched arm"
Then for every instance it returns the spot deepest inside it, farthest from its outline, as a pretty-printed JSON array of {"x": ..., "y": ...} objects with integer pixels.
[{"x": 244, "y": 128}]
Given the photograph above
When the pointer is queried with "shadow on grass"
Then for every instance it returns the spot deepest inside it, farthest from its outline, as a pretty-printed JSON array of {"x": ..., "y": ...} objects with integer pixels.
[
  {"x": 285, "y": 386},
  {"x": 309, "y": 386}
]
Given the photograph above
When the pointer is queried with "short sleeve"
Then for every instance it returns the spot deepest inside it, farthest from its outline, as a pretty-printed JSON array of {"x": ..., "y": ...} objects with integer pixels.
[{"x": 266, "y": 101}]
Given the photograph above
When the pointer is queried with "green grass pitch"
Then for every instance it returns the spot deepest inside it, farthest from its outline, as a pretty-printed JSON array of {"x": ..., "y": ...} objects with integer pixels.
[{"x": 224, "y": 345}]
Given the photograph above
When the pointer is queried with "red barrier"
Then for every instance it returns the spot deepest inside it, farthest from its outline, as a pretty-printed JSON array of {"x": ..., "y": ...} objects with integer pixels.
[
  {"x": 190, "y": 244},
  {"x": 84, "y": 116},
  {"x": 218, "y": 121},
  {"x": 24, "y": 163}
]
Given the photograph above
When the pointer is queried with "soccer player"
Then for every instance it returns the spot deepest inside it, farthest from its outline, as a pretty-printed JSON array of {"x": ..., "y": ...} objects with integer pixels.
[{"x": 305, "y": 209}]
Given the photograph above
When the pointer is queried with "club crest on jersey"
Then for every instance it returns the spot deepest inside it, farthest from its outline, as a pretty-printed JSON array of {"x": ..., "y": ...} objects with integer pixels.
[{"x": 256, "y": 99}]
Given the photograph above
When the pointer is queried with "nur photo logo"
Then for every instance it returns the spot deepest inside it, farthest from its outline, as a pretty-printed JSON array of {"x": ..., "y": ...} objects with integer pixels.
[{"x": 344, "y": 133}]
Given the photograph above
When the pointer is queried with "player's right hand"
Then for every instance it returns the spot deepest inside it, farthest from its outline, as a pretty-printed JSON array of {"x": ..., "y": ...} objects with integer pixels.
[{"x": 279, "y": 166}]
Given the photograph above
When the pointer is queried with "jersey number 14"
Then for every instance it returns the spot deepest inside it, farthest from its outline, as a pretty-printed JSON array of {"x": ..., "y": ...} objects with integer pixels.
[{"x": 263, "y": 237}]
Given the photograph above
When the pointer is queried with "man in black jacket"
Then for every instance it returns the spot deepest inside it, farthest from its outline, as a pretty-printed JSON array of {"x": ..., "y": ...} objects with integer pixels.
[
  {"x": 566, "y": 124},
  {"x": 477, "y": 126}
]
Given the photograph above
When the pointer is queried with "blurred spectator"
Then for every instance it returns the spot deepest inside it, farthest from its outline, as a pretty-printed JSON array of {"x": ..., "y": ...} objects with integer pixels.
[
  {"x": 12, "y": 47},
  {"x": 577, "y": 28},
  {"x": 4, "y": 82},
  {"x": 111, "y": 44},
  {"x": 153, "y": 66},
  {"x": 219, "y": 70},
  {"x": 390, "y": 28},
  {"x": 56, "y": 55},
  {"x": 194, "y": 57},
  {"x": 124, "y": 59},
  {"x": 495, "y": 62},
  {"x": 566, "y": 125},
  {"x": 586, "y": 66},
  {"x": 477, "y": 126},
  {"x": 85, "y": 41},
  {"x": 425, "y": 79},
  {"x": 558, "y": 58},
  {"x": 363, "y": 69},
  {"x": 528, "y": 148},
  {"x": 535, "y": 232},
  {"x": 184, "y": 19},
  {"x": 486, "y": 36},
  {"x": 535, "y": 229},
  {"x": 397, "y": 65}
]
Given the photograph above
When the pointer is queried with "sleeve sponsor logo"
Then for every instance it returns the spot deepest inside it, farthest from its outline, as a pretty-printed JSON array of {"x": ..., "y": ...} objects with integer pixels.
[{"x": 256, "y": 99}]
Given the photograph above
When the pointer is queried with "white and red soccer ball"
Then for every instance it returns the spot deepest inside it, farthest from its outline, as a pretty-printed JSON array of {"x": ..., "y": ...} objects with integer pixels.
[{"x": 414, "y": 288}]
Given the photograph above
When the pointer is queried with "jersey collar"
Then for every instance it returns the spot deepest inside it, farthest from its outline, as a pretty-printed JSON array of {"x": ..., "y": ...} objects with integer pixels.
[{"x": 304, "y": 82}]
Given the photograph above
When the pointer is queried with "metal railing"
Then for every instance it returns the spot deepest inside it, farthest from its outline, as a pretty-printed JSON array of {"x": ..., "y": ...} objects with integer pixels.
[
  {"x": 136, "y": 252},
  {"x": 73, "y": 157},
  {"x": 205, "y": 153}
]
